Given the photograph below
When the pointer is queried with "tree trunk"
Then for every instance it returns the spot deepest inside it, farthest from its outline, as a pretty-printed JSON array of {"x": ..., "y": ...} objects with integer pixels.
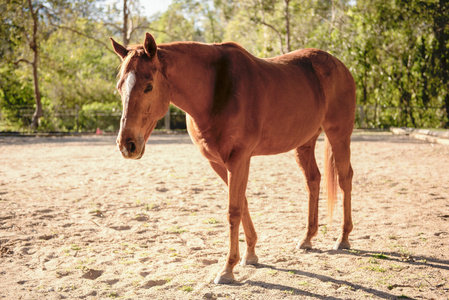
[
  {"x": 287, "y": 25},
  {"x": 35, "y": 48},
  {"x": 38, "y": 111},
  {"x": 125, "y": 23}
]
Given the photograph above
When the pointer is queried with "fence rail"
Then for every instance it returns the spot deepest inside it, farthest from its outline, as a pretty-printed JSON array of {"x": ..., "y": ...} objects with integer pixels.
[
  {"x": 75, "y": 120},
  {"x": 367, "y": 116}
]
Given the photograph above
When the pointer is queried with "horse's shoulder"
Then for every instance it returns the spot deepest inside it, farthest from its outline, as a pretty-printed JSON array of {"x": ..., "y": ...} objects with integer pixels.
[{"x": 234, "y": 52}]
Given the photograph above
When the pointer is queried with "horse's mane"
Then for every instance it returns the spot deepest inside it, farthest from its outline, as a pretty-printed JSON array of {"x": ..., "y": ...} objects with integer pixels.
[
  {"x": 133, "y": 50},
  {"x": 137, "y": 50}
]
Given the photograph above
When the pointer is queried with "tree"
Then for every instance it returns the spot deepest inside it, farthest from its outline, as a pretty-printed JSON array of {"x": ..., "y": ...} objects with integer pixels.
[
  {"x": 27, "y": 26},
  {"x": 33, "y": 21},
  {"x": 261, "y": 12},
  {"x": 125, "y": 19},
  {"x": 29, "y": 15}
]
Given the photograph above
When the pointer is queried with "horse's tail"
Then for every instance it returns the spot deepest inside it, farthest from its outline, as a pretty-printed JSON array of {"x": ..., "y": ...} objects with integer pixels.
[{"x": 331, "y": 180}]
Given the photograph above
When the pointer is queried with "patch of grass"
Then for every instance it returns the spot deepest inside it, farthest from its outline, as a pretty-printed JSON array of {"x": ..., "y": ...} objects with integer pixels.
[
  {"x": 112, "y": 295},
  {"x": 75, "y": 247},
  {"x": 149, "y": 206},
  {"x": 303, "y": 283},
  {"x": 396, "y": 267},
  {"x": 272, "y": 272},
  {"x": 324, "y": 229},
  {"x": 385, "y": 280},
  {"x": 406, "y": 255},
  {"x": 136, "y": 282},
  {"x": 211, "y": 221},
  {"x": 372, "y": 260},
  {"x": 380, "y": 256},
  {"x": 177, "y": 230},
  {"x": 81, "y": 263},
  {"x": 186, "y": 288},
  {"x": 347, "y": 287},
  {"x": 376, "y": 268},
  {"x": 144, "y": 254}
]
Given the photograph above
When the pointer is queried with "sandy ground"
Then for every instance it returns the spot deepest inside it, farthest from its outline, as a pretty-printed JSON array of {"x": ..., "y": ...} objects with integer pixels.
[{"x": 77, "y": 221}]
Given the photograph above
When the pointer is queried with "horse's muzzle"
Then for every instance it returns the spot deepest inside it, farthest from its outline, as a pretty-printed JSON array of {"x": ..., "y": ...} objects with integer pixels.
[{"x": 130, "y": 148}]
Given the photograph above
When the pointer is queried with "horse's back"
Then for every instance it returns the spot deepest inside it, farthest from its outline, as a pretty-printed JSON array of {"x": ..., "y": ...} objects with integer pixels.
[{"x": 336, "y": 82}]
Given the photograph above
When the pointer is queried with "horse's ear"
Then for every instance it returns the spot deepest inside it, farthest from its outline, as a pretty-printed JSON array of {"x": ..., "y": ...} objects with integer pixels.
[
  {"x": 119, "y": 49},
  {"x": 149, "y": 45}
]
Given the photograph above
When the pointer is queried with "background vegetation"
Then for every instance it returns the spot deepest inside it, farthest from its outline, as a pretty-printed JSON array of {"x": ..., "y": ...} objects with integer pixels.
[{"x": 58, "y": 71}]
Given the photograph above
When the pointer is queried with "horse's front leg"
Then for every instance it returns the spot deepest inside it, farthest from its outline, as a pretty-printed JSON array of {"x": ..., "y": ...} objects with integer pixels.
[
  {"x": 250, "y": 257},
  {"x": 238, "y": 171}
]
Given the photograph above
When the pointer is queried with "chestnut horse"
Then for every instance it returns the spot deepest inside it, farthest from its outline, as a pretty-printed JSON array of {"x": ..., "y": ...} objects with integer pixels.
[{"x": 239, "y": 106}]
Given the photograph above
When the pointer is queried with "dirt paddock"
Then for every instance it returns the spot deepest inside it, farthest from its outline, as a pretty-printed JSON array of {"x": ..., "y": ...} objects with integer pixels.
[{"x": 77, "y": 221}]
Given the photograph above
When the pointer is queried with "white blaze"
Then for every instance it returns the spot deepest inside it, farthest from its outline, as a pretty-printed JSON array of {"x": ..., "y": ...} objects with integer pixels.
[
  {"x": 126, "y": 94},
  {"x": 129, "y": 85}
]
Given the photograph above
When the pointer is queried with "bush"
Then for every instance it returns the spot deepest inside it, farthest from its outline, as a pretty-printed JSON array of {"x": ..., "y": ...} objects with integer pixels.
[
  {"x": 16, "y": 99},
  {"x": 105, "y": 116}
]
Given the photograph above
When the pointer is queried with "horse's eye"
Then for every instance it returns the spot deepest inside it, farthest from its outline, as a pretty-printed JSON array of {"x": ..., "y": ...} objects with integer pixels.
[{"x": 149, "y": 88}]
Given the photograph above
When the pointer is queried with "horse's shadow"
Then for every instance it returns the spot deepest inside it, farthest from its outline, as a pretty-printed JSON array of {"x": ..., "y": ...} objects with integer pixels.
[
  {"x": 284, "y": 288},
  {"x": 400, "y": 257},
  {"x": 392, "y": 256}
]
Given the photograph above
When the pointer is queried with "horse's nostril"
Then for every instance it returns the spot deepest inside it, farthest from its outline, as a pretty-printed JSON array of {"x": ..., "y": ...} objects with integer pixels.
[{"x": 132, "y": 147}]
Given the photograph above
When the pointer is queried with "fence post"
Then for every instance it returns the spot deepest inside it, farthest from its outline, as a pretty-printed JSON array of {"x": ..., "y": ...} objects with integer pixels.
[
  {"x": 76, "y": 117},
  {"x": 362, "y": 116},
  {"x": 167, "y": 120}
]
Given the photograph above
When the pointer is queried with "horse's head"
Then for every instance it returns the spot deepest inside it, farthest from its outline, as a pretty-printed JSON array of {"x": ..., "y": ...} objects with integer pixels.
[{"x": 143, "y": 89}]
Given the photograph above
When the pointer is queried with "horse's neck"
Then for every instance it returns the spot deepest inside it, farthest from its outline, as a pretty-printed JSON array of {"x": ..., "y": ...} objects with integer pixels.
[{"x": 190, "y": 72}]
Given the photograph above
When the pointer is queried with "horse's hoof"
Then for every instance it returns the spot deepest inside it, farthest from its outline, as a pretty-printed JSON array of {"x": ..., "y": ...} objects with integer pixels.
[
  {"x": 249, "y": 260},
  {"x": 224, "y": 278},
  {"x": 342, "y": 245},
  {"x": 306, "y": 245}
]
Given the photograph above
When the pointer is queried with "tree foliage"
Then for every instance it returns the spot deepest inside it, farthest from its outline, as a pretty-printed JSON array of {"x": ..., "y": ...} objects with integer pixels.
[{"x": 397, "y": 51}]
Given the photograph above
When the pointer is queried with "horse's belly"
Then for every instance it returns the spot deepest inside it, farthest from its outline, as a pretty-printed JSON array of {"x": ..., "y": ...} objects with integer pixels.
[
  {"x": 281, "y": 144},
  {"x": 285, "y": 136}
]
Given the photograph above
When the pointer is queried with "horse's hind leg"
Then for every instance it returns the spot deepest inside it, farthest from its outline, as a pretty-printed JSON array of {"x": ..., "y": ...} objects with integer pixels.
[
  {"x": 250, "y": 257},
  {"x": 305, "y": 157},
  {"x": 340, "y": 142}
]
